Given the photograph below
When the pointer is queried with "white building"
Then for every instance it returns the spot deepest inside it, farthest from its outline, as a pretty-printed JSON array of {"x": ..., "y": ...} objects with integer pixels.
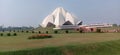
[{"x": 60, "y": 18}]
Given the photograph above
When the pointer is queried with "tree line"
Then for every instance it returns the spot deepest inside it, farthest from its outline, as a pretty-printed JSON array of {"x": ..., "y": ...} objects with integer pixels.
[{"x": 2, "y": 28}]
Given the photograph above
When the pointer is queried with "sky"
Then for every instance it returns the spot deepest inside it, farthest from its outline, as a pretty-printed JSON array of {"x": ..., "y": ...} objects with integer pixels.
[{"x": 32, "y": 12}]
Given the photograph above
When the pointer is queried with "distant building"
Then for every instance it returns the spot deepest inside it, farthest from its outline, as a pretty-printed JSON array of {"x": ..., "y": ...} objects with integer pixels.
[{"x": 61, "y": 18}]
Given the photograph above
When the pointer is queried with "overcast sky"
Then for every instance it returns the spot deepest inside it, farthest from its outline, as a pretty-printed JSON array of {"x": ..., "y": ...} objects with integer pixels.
[{"x": 32, "y": 12}]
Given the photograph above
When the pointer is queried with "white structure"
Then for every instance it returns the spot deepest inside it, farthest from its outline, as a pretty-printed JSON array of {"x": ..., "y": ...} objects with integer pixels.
[
  {"x": 97, "y": 25},
  {"x": 60, "y": 17}
]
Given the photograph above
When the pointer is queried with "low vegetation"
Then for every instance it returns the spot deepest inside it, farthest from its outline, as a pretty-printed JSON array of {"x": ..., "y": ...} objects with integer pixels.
[
  {"x": 81, "y": 31},
  {"x": 46, "y": 32},
  {"x": 27, "y": 31},
  {"x": 66, "y": 31},
  {"x": 39, "y": 32},
  {"x": 14, "y": 34},
  {"x": 8, "y": 34},
  {"x": 40, "y": 36},
  {"x": 55, "y": 31},
  {"x": 98, "y": 30},
  {"x": 33, "y": 31},
  {"x": 1, "y": 34}
]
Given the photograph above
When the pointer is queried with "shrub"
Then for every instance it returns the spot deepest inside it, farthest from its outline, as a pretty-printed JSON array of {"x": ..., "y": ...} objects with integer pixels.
[
  {"x": 77, "y": 29},
  {"x": 14, "y": 34},
  {"x": 39, "y": 32},
  {"x": 27, "y": 31},
  {"x": 33, "y": 32},
  {"x": 18, "y": 31},
  {"x": 13, "y": 30},
  {"x": 81, "y": 31},
  {"x": 40, "y": 36},
  {"x": 55, "y": 31},
  {"x": 66, "y": 31},
  {"x": 46, "y": 32},
  {"x": 9, "y": 30},
  {"x": 8, "y": 34},
  {"x": 98, "y": 30},
  {"x": 1, "y": 34},
  {"x": 22, "y": 31}
]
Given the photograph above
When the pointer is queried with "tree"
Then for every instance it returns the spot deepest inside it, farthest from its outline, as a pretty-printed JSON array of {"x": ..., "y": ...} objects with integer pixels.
[{"x": 115, "y": 25}]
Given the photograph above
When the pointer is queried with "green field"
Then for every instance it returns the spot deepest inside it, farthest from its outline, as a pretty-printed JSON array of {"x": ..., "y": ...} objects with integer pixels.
[
  {"x": 72, "y": 43},
  {"x": 101, "y": 48}
]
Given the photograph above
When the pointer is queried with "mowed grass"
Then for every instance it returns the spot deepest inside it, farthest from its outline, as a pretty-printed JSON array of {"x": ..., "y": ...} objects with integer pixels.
[
  {"x": 21, "y": 41},
  {"x": 101, "y": 48}
]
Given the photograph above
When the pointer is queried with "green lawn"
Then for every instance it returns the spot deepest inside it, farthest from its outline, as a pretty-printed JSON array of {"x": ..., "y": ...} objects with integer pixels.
[
  {"x": 73, "y": 43},
  {"x": 101, "y": 48},
  {"x": 20, "y": 42}
]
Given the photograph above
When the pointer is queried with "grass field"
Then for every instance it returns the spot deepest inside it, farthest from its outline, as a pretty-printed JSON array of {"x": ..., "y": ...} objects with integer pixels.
[
  {"x": 21, "y": 42},
  {"x": 61, "y": 44},
  {"x": 101, "y": 48}
]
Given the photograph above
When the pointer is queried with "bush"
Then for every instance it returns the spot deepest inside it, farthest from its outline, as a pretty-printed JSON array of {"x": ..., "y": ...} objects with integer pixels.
[
  {"x": 22, "y": 31},
  {"x": 27, "y": 31},
  {"x": 98, "y": 30},
  {"x": 1, "y": 34},
  {"x": 77, "y": 29},
  {"x": 9, "y": 30},
  {"x": 8, "y": 34},
  {"x": 39, "y": 32},
  {"x": 14, "y": 34},
  {"x": 46, "y": 32},
  {"x": 81, "y": 31},
  {"x": 40, "y": 36},
  {"x": 66, "y": 31},
  {"x": 13, "y": 30},
  {"x": 33, "y": 32},
  {"x": 18, "y": 31},
  {"x": 55, "y": 31}
]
